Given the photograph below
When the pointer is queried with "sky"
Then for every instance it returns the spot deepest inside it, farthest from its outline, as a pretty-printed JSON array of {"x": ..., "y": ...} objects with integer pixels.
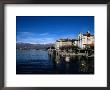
[{"x": 48, "y": 29}]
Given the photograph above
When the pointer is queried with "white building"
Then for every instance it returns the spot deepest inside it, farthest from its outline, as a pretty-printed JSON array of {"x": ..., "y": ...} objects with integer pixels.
[
  {"x": 85, "y": 39},
  {"x": 81, "y": 41}
]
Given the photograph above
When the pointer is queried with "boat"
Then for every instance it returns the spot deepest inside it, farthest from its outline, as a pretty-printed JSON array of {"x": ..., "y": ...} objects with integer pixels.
[{"x": 67, "y": 59}]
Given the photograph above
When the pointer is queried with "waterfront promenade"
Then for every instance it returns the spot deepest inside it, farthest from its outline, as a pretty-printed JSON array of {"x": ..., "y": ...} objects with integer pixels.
[{"x": 67, "y": 55}]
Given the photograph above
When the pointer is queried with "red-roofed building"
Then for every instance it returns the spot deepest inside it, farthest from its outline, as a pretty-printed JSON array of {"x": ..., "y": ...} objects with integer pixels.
[{"x": 85, "y": 39}]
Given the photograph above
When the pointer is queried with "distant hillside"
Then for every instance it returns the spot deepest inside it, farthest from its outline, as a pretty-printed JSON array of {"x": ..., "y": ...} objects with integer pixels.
[{"x": 33, "y": 46}]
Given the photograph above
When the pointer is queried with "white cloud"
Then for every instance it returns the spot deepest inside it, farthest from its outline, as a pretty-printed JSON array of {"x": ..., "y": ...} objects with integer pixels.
[
  {"x": 43, "y": 34},
  {"x": 43, "y": 38}
]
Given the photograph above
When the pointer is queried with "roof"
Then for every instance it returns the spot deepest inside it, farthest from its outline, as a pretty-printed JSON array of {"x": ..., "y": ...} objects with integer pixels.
[
  {"x": 74, "y": 39},
  {"x": 87, "y": 35},
  {"x": 64, "y": 40}
]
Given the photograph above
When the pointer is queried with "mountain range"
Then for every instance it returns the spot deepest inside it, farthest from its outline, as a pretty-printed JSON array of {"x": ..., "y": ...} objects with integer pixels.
[{"x": 33, "y": 46}]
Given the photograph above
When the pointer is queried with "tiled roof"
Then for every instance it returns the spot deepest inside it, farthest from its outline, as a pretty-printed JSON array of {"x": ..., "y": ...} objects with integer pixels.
[{"x": 88, "y": 34}]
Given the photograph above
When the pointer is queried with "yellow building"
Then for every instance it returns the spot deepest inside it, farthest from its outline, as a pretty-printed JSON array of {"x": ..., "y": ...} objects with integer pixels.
[{"x": 65, "y": 42}]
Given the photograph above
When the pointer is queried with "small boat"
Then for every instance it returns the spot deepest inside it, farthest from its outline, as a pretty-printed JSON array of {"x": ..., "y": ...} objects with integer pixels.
[{"x": 67, "y": 59}]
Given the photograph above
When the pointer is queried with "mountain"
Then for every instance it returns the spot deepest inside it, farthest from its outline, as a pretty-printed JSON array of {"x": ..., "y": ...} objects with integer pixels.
[{"x": 33, "y": 46}]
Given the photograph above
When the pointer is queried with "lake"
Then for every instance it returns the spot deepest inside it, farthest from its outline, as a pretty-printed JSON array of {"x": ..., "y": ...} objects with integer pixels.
[{"x": 39, "y": 62}]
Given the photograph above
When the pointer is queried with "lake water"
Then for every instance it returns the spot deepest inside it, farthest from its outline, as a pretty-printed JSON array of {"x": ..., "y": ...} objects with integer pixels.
[{"x": 39, "y": 62}]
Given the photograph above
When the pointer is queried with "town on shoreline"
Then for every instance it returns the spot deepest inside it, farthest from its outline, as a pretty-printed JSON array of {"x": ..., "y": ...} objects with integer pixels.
[
  {"x": 80, "y": 50},
  {"x": 82, "y": 46}
]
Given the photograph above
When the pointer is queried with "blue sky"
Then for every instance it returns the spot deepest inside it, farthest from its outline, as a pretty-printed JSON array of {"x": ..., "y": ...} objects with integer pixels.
[{"x": 48, "y": 29}]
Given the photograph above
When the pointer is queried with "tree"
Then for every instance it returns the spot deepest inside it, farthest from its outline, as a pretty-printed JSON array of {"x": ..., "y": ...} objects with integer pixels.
[{"x": 87, "y": 47}]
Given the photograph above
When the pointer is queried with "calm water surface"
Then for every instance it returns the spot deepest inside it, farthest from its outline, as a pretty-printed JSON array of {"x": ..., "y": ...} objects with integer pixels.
[{"x": 39, "y": 62}]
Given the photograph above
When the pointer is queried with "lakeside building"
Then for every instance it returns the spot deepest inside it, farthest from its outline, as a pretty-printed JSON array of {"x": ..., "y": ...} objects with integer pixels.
[
  {"x": 85, "y": 39},
  {"x": 82, "y": 41},
  {"x": 65, "y": 42}
]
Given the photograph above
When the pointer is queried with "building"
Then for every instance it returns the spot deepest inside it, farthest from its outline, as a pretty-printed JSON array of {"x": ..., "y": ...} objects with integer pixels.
[
  {"x": 85, "y": 39},
  {"x": 65, "y": 42},
  {"x": 82, "y": 41}
]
